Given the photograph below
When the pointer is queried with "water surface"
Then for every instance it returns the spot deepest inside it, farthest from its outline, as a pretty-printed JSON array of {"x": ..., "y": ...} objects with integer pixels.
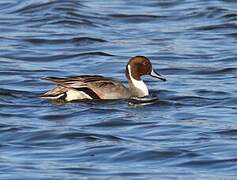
[{"x": 191, "y": 132}]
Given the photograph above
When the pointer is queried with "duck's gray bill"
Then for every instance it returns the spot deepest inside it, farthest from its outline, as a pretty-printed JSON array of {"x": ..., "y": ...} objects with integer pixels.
[{"x": 157, "y": 75}]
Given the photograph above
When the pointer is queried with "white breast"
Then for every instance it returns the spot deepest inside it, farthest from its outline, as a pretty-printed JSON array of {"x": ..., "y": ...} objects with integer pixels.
[{"x": 138, "y": 84}]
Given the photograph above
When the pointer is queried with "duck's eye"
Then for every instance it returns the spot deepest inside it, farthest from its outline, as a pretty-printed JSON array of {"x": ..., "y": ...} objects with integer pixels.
[{"x": 145, "y": 63}]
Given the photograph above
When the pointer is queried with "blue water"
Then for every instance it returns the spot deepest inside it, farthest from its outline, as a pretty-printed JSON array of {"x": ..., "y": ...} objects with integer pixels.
[{"x": 191, "y": 132}]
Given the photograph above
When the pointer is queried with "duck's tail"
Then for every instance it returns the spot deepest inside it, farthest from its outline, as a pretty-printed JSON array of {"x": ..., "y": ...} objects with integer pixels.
[{"x": 58, "y": 92}]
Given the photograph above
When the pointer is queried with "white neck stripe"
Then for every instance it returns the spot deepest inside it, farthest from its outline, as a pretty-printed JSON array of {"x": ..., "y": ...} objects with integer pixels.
[{"x": 138, "y": 84}]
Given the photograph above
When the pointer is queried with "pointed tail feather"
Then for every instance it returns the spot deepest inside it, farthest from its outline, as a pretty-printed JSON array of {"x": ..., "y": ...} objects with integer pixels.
[{"x": 56, "y": 93}]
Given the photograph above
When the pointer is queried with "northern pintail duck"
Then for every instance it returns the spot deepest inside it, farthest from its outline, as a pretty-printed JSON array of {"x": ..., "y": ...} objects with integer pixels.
[{"x": 100, "y": 87}]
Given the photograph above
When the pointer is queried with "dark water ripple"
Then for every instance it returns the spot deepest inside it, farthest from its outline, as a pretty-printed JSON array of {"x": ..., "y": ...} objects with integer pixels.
[{"x": 186, "y": 129}]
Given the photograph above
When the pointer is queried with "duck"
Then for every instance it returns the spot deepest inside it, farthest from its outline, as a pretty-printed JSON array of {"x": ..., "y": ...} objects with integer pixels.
[{"x": 104, "y": 88}]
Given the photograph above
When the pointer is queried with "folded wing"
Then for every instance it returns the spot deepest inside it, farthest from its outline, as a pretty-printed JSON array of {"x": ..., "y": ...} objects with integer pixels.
[{"x": 82, "y": 87}]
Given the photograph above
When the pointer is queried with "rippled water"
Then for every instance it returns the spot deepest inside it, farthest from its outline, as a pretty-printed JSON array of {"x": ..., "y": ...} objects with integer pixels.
[{"x": 191, "y": 132}]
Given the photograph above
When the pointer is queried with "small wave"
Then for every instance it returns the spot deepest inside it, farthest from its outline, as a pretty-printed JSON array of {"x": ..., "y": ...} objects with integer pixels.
[
  {"x": 118, "y": 122},
  {"x": 230, "y": 16},
  {"x": 71, "y": 22},
  {"x": 77, "y": 40},
  {"x": 12, "y": 93},
  {"x": 4, "y": 92},
  {"x": 223, "y": 26},
  {"x": 215, "y": 11},
  {"x": 134, "y": 18},
  {"x": 29, "y": 8},
  {"x": 176, "y": 70},
  {"x": 209, "y": 163},
  {"x": 200, "y": 70},
  {"x": 95, "y": 54},
  {"x": 56, "y": 57},
  {"x": 232, "y": 133},
  {"x": 90, "y": 136},
  {"x": 233, "y": 34},
  {"x": 146, "y": 155},
  {"x": 215, "y": 71},
  {"x": 196, "y": 101},
  {"x": 211, "y": 93},
  {"x": 8, "y": 128},
  {"x": 178, "y": 98}
]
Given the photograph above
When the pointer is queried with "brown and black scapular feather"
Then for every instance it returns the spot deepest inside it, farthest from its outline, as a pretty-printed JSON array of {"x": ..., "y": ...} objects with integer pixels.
[
  {"x": 83, "y": 79},
  {"x": 89, "y": 92}
]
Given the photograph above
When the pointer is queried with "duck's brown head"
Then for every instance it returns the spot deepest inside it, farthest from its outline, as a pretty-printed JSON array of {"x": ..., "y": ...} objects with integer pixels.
[{"x": 140, "y": 65}]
